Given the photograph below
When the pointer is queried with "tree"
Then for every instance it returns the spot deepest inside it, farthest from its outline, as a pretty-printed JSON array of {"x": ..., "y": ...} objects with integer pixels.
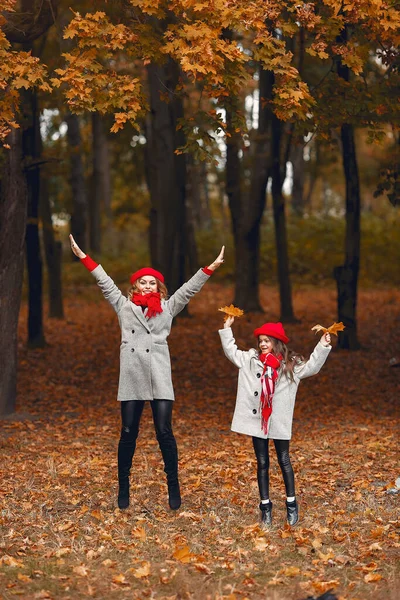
[
  {"x": 32, "y": 150},
  {"x": 18, "y": 69}
]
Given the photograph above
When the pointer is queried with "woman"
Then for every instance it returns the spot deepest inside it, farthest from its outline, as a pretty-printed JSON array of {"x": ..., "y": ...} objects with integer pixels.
[{"x": 145, "y": 318}]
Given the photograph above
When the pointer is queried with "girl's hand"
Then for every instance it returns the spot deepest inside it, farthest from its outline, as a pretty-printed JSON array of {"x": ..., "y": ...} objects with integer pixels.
[
  {"x": 218, "y": 261},
  {"x": 326, "y": 339},
  {"x": 228, "y": 322},
  {"x": 75, "y": 248}
]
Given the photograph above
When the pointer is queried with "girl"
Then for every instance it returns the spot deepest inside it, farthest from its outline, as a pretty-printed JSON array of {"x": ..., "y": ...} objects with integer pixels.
[
  {"x": 267, "y": 386},
  {"x": 145, "y": 318}
]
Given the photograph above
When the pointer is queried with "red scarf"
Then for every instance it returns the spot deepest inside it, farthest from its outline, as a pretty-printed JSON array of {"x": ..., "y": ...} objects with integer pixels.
[
  {"x": 151, "y": 300},
  {"x": 268, "y": 379}
]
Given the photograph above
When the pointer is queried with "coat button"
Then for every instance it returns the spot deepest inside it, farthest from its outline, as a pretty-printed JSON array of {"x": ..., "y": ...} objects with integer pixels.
[
  {"x": 148, "y": 332},
  {"x": 133, "y": 331},
  {"x": 258, "y": 374},
  {"x": 256, "y": 393},
  {"x": 254, "y": 411},
  {"x": 132, "y": 349},
  {"x": 147, "y": 350}
]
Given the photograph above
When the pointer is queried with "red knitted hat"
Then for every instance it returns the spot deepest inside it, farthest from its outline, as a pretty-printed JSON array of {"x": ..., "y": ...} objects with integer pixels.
[
  {"x": 147, "y": 271},
  {"x": 274, "y": 330}
]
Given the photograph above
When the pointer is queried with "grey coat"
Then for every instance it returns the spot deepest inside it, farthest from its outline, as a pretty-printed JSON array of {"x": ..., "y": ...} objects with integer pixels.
[
  {"x": 247, "y": 416},
  {"x": 145, "y": 365}
]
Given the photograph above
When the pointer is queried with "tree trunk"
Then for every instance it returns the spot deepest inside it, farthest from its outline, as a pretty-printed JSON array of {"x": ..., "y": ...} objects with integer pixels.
[
  {"x": 166, "y": 175},
  {"x": 13, "y": 211},
  {"x": 197, "y": 193},
  {"x": 100, "y": 201},
  {"x": 246, "y": 213},
  {"x": 53, "y": 253},
  {"x": 347, "y": 275},
  {"x": 297, "y": 160},
  {"x": 79, "y": 199},
  {"x": 278, "y": 202},
  {"x": 32, "y": 148}
]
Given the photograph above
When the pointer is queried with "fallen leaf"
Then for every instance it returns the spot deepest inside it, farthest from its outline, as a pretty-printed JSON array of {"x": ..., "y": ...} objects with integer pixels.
[
  {"x": 371, "y": 577},
  {"x": 143, "y": 571},
  {"x": 183, "y": 554},
  {"x": 81, "y": 570},
  {"x": 120, "y": 579}
]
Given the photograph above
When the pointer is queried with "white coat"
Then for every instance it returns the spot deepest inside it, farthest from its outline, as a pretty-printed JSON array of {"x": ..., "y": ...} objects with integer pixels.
[
  {"x": 247, "y": 415},
  {"x": 145, "y": 365}
]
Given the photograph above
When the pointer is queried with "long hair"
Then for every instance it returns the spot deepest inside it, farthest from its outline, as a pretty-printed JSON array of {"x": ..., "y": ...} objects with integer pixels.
[
  {"x": 290, "y": 358},
  {"x": 161, "y": 287}
]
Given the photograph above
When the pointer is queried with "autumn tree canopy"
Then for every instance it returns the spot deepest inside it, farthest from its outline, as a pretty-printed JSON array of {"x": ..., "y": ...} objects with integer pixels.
[{"x": 104, "y": 70}]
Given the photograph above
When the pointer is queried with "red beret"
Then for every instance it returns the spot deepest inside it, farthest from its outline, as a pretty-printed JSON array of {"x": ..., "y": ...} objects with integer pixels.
[
  {"x": 147, "y": 271},
  {"x": 274, "y": 330}
]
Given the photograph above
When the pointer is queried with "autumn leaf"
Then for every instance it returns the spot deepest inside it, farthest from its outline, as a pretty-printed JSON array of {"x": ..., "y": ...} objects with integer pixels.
[
  {"x": 10, "y": 561},
  {"x": 120, "y": 579},
  {"x": 332, "y": 329},
  {"x": 371, "y": 577},
  {"x": 183, "y": 554},
  {"x": 291, "y": 571},
  {"x": 81, "y": 570},
  {"x": 143, "y": 571},
  {"x": 231, "y": 311}
]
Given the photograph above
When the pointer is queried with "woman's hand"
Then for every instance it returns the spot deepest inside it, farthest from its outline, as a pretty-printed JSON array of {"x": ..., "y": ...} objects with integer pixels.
[
  {"x": 218, "y": 261},
  {"x": 228, "y": 322},
  {"x": 326, "y": 339},
  {"x": 75, "y": 248}
]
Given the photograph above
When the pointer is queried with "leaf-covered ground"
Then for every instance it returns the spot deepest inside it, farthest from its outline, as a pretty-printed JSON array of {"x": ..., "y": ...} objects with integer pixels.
[{"x": 63, "y": 537}]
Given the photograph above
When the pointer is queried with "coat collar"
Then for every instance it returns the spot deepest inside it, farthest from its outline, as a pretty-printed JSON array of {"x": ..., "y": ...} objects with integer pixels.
[{"x": 137, "y": 310}]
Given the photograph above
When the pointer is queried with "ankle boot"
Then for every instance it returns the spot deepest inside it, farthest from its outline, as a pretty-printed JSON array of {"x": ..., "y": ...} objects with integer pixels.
[
  {"x": 266, "y": 514},
  {"x": 123, "y": 493},
  {"x": 292, "y": 509},
  {"x": 174, "y": 495}
]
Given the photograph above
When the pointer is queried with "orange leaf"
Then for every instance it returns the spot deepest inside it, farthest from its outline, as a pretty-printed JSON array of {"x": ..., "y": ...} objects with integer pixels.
[
  {"x": 372, "y": 577},
  {"x": 182, "y": 554},
  {"x": 143, "y": 571},
  {"x": 120, "y": 579},
  {"x": 332, "y": 329},
  {"x": 231, "y": 311}
]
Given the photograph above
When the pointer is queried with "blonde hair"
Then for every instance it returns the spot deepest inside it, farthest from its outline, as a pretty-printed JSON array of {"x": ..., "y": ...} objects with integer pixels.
[
  {"x": 290, "y": 358},
  {"x": 161, "y": 287}
]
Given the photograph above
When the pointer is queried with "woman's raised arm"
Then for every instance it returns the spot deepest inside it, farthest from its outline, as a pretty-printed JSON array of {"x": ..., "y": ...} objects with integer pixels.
[{"x": 75, "y": 248}]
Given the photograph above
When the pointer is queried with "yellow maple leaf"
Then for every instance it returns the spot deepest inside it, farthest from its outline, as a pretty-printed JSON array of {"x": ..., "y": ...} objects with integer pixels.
[
  {"x": 332, "y": 329},
  {"x": 231, "y": 311}
]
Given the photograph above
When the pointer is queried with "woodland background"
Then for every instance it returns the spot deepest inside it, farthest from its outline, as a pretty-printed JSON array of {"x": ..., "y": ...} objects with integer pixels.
[{"x": 156, "y": 132}]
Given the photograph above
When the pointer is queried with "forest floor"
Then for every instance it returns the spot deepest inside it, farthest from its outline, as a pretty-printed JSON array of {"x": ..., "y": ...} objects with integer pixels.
[{"x": 62, "y": 535}]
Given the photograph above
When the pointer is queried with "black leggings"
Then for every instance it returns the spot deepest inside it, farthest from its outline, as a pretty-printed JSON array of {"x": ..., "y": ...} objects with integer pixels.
[
  {"x": 131, "y": 412},
  {"x": 282, "y": 451}
]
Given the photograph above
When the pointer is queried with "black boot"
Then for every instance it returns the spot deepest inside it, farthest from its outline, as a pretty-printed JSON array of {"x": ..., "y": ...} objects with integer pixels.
[
  {"x": 174, "y": 495},
  {"x": 126, "y": 450},
  {"x": 169, "y": 453},
  {"x": 292, "y": 509},
  {"x": 123, "y": 493},
  {"x": 266, "y": 514}
]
